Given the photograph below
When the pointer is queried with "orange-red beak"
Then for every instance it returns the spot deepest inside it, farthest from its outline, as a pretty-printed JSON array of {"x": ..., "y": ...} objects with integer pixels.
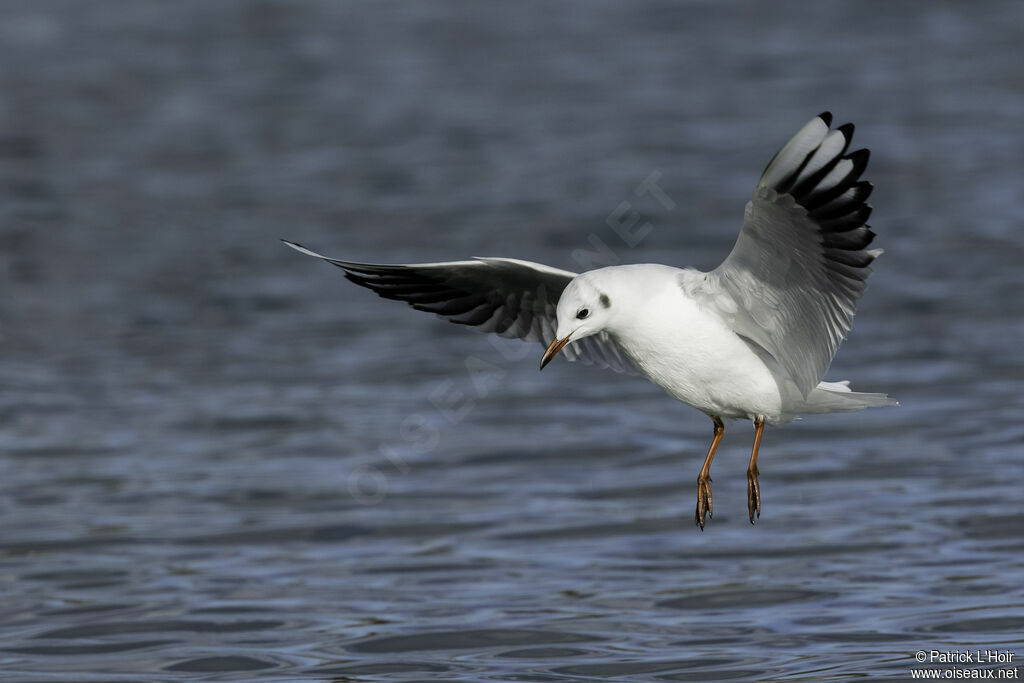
[{"x": 554, "y": 347}]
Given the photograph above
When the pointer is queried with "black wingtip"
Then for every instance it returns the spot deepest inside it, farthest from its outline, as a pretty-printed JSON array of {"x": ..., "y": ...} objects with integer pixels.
[
  {"x": 860, "y": 160},
  {"x": 826, "y": 116}
]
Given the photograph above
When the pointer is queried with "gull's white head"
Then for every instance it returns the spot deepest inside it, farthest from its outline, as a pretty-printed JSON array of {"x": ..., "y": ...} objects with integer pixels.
[{"x": 585, "y": 308}]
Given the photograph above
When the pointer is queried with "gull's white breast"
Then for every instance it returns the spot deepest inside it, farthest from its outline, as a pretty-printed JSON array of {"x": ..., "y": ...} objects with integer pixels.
[{"x": 692, "y": 353}]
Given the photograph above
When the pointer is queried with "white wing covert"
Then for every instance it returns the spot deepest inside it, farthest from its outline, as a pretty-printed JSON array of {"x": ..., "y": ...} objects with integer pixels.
[
  {"x": 512, "y": 298},
  {"x": 800, "y": 264}
]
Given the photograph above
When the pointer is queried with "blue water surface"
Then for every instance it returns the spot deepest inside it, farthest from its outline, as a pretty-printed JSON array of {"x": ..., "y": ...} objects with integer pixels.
[{"x": 221, "y": 461}]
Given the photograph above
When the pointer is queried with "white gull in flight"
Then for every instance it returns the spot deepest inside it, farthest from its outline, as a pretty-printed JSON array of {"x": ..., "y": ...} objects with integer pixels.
[{"x": 750, "y": 339}]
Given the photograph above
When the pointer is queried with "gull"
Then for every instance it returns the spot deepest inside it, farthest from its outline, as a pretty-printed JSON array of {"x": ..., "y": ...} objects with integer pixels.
[{"x": 751, "y": 339}]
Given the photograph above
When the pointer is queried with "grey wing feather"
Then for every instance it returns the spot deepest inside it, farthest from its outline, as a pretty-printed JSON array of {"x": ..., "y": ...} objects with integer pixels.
[
  {"x": 512, "y": 298},
  {"x": 800, "y": 264}
]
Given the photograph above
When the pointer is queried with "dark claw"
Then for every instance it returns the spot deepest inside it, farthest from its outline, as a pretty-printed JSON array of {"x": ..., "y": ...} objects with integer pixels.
[
  {"x": 704, "y": 507},
  {"x": 753, "y": 494}
]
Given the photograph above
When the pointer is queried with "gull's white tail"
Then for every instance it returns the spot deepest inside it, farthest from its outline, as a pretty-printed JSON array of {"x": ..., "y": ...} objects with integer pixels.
[{"x": 836, "y": 397}]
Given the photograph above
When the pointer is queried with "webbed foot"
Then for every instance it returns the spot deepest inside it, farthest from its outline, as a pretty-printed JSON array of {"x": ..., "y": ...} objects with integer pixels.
[
  {"x": 753, "y": 494},
  {"x": 704, "y": 507}
]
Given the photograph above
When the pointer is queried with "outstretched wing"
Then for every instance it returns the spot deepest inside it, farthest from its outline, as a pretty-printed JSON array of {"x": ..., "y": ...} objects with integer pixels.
[
  {"x": 509, "y": 297},
  {"x": 792, "y": 281}
]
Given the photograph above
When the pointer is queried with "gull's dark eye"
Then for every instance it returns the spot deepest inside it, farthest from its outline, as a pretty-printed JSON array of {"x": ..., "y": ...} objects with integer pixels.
[{"x": 583, "y": 313}]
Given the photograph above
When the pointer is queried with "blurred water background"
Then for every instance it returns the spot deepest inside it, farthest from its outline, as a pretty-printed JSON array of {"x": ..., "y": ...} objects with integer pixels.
[{"x": 220, "y": 460}]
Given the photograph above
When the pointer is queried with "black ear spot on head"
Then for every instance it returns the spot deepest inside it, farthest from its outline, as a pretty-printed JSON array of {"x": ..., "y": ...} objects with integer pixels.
[{"x": 605, "y": 301}]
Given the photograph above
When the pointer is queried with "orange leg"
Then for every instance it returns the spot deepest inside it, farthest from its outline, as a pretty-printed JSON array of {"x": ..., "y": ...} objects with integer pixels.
[
  {"x": 704, "y": 478},
  {"x": 753, "y": 487}
]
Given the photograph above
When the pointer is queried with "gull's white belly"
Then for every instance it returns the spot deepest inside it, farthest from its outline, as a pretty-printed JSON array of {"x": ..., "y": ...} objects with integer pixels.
[{"x": 697, "y": 359}]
